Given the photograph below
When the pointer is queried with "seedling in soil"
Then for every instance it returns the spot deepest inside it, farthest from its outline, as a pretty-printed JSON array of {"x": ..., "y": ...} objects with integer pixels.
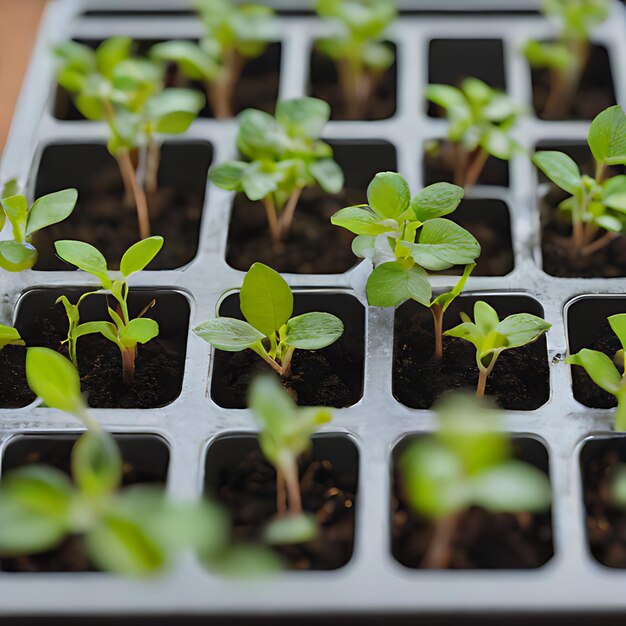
[
  {"x": 405, "y": 238},
  {"x": 284, "y": 156},
  {"x": 133, "y": 531},
  {"x": 597, "y": 204},
  {"x": 10, "y": 337},
  {"x": 285, "y": 435},
  {"x": 270, "y": 331},
  {"x": 128, "y": 94},
  {"x": 567, "y": 57},
  {"x": 124, "y": 332},
  {"x": 491, "y": 337},
  {"x": 467, "y": 462},
  {"x": 480, "y": 122},
  {"x": 234, "y": 36},
  {"x": 360, "y": 56},
  {"x": 605, "y": 372},
  {"x": 18, "y": 253}
]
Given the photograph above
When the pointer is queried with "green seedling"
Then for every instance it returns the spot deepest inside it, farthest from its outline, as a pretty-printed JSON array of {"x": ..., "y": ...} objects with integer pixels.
[
  {"x": 467, "y": 462},
  {"x": 480, "y": 123},
  {"x": 133, "y": 531},
  {"x": 270, "y": 330},
  {"x": 284, "y": 156},
  {"x": 567, "y": 57},
  {"x": 491, "y": 337},
  {"x": 597, "y": 204},
  {"x": 18, "y": 253},
  {"x": 285, "y": 435},
  {"x": 124, "y": 332},
  {"x": 606, "y": 373},
  {"x": 127, "y": 93},
  {"x": 405, "y": 239},
  {"x": 10, "y": 337},
  {"x": 234, "y": 35},
  {"x": 360, "y": 56}
]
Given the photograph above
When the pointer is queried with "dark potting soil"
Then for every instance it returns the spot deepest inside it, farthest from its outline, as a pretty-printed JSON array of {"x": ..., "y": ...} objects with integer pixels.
[
  {"x": 249, "y": 494},
  {"x": 325, "y": 85},
  {"x": 606, "y": 523},
  {"x": 595, "y": 93},
  {"x": 496, "y": 253},
  {"x": 328, "y": 377},
  {"x": 314, "y": 245},
  {"x": 439, "y": 167},
  {"x": 519, "y": 380},
  {"x": 482, "y": 540},
  {"x": 14, "y": 391}
]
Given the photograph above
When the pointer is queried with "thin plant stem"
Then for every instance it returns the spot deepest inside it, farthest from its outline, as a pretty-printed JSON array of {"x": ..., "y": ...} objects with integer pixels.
[
  {"x": 437, "y": 311},
  {"x": 290, "y": 472},
  {"x": 460, "y": 164},
  {"x": 128, "y": 364},
  {"x": 286, "y": 217},
  {"x": 152, "y": 166},
  {"x": 598, "y": 244},
  {"x": 476, "y": 167},
  {"x": 483, "y": 375},
  {"x": 620, "y": 413},
  {"x": 439, "y": 553},
  {"x": 272, "y": 217},
  {"x": 141, "y": 203},
  {"x": 281, "y": 494},
  {"x": 221, "y": 91}
]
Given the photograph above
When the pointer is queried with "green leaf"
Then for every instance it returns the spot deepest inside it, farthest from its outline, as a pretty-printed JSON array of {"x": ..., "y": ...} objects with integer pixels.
[
  {"x": 271, "y": 406},
  {"x": 245, "y": 561},
  {"x": 228, "y": 176},
  {"x": 436, "y": 201},
  {"x": 313, "y": 331},
  {"x": 259, "y": 135},
  {"x": 607, "y": 136},
  {"x": 55, "y": 380},
  {"x": 229, "y": 334},
  {"x": 111, "y": 52},
  {"x": 106, "y": 329},
  {"x": 389, "y": 195},
  {"x": 51, "y": 209},
  {"x": 442, "y": 244},
  {"x": 266, "y": 300},
  {"x": 599, "y": 367},
  {"x": 85, "y": 257},
  {"x": 560, "y": 169},
  {"x": 303, "y": 117},
  {"x": 391, "y": 284},
  {"x": 378, "y": 55},
  {"x": 16, "y": 210},
  {"x": 139, "y": 255},
  {"x": 498, "y": 144},
  {"x": 522, "y": 328},
  {"x": 512, "y": 487},
  {"x": 174, "y": 109},
  {"x": 258, "y": 181},
  {"x": 446, "y": 96},
  {"x": 486, "y": 317},
  {"x": 361, "y": 220},
  {"x": 444, "y": 300},
  {"x": 140, "y": 330},
  {"x": 328, "y": 174},
  {"x": 291, "y": 529},
  {"x": 96, "y": 463},
  {"x": 9, "y": 336},
  {"x": 15, "y": 256},
  {"x": 194, "y": 62},
  {"x": 618, "y": 325},
  {"x": 76, "y": 55}
]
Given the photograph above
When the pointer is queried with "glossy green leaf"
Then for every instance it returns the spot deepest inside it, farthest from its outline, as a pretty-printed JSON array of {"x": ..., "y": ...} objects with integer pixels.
[
  {"x": 137, "y": 257},
  {"x": 51, "y": 209},
  {"x": 16, "y": 257},
  {"x": 85, "y": 257},
  {"x": 194, "y": 62},
  {"x": 391, "y": 284},
  {"x": 329, "y": 175},
  {"x": 9, "y": 337},
  {"x": 361, "y": 220},
  {"x": 436, "y": 201},
  {"x": 228, "y": 176},
  {"x": 444, "y": 300},
  {"x": 313, "y": 331},
  {"x": 140, "y": 330},
  {"x": 228, "y": 334},
  {"x": 106, "y": 329},
  {"x": 599, "y": 367},
  {"x": 389, "y": 195},
  {"x": 522, "y": 328},
  {"x": 560, "y": 169},
  {"x": 618, "y": 325},
  {"x": 607, "y": 136},
  {"x": 111, "y": 52},
  {"x": 303, "y": 117}
]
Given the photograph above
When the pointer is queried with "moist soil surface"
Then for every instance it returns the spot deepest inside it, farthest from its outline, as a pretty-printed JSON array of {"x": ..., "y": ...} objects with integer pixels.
[
  {"x": 595, "y": 93},
  {"x": 606, "y": 523},
  {"x": 483, "y": 540},
  {"x": 519, "y": 380},
  {"x": 325, "y": 86},
  {"x": 102, "y": 219},
  {"x": 249, "y": 494},
  {"x": 314, "y": 245},
  {"x": 14, "y": 391},
  {"x": 332, "y": 376}
]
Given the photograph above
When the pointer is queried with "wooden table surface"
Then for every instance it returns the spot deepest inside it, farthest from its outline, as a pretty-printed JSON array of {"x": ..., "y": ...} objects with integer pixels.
[{"x": 19, "y": 20}]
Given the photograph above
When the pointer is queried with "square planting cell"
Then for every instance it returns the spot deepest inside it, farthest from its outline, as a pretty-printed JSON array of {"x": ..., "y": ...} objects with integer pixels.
[
  {"x": 520, "y": 379},
  {"x": 595, "y": 92},
  {"x": 238, "y": 476},
  {"x": 314, "y": 246},
  {"x": 332, "y": 376},
  {"x": 146, "y": 460},
  {"x": 482, "y": 540},
  {"x": 556, "y": 226},
  {"x": 160, "y": 363},
  {"x": 257, "y": 87},
  {"x": 605, "y": 521},
  {"x": 104, "y": 218},
  {"x": 324, "y": 83},
  {"x": 587, "y": 327}
]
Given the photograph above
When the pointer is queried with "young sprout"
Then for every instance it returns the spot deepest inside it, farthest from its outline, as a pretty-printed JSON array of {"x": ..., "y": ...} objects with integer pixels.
[
  {"x": 270, "y": 330},
  {"x": 285, "y": 435},
  {"x": 405, "y": 238},
  {"x": 132, "y": 531},
  {"x": 605, "y": 372},
  {"x": 491, "y": 337},
  {"x": 597, "y": 204},
  {"x": 10, "y": 337},
  {"x": 357, "y": 50},
  {"x": 283, "y": 156},
  {"x": 480, "y": 122},
  {"x": 124, "y": 332},
  {"x": 234, "y": 36},
  {"x": 567, "y": 58},
  {"x": 467, "y": 462},
  {"x": 128, "y": 94},
  {"x": 18, "y": 253}
]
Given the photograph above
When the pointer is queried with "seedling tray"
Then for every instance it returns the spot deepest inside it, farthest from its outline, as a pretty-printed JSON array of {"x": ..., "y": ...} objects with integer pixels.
[{"x": 373, "y": 582}]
